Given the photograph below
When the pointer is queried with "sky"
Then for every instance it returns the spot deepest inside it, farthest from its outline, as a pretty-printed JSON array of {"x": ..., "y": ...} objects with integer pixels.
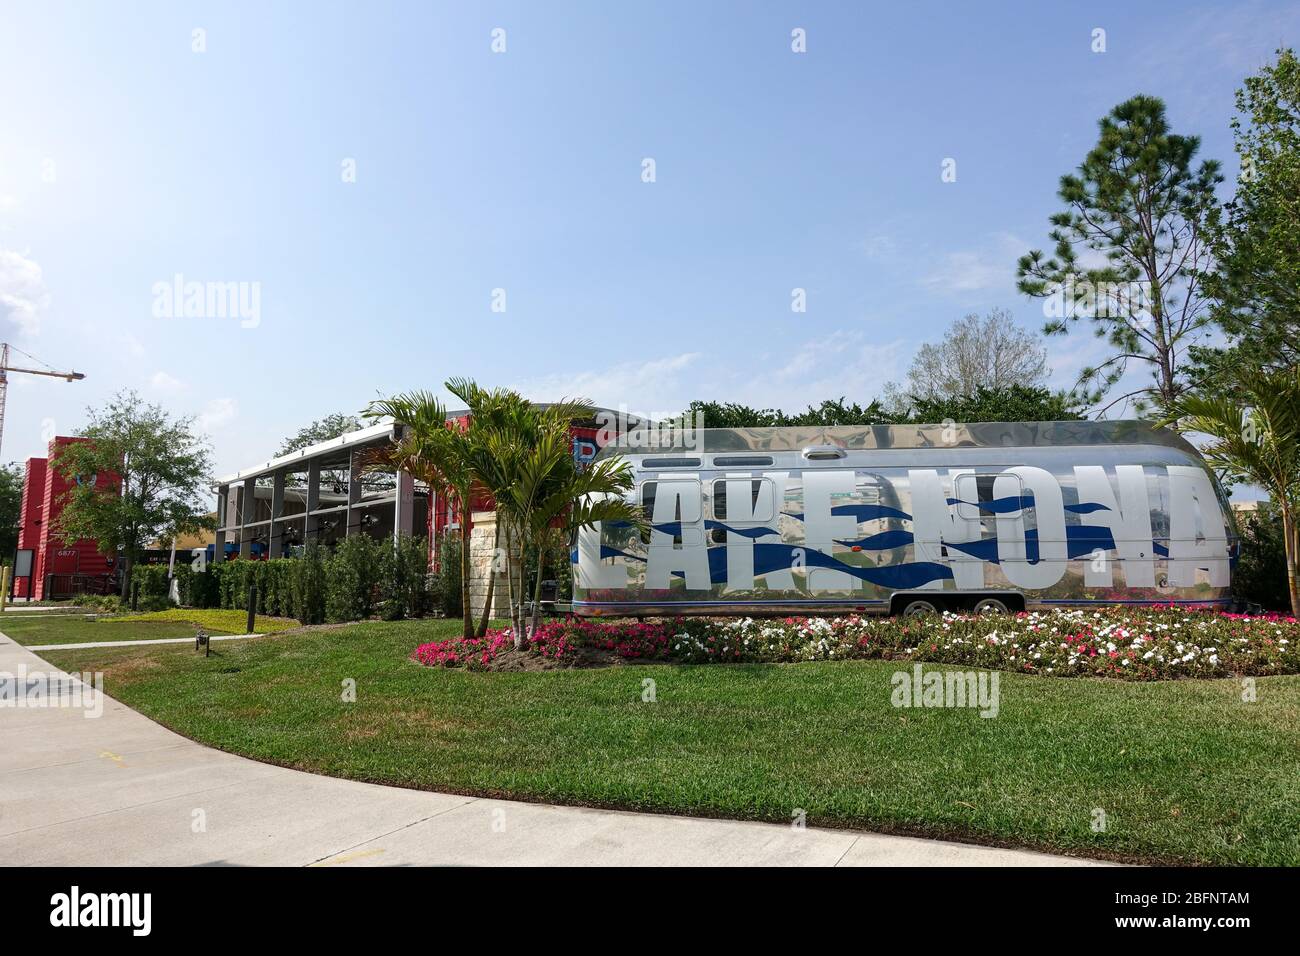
[{"x": 405, "y": 192}]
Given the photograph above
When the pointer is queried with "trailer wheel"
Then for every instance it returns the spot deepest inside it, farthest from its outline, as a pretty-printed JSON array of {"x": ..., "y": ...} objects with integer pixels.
[
  {"x": 991, "y": 606},
  {"x": 917, "y": 608}
]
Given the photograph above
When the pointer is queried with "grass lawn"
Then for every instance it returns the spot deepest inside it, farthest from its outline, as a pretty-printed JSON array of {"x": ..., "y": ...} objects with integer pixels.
[
  {"x": 157, "y": 625},
  {"x": 213, "y": 620},
  {"x": 76, "y": 629},
  {"x": 1184, "y": 770}
]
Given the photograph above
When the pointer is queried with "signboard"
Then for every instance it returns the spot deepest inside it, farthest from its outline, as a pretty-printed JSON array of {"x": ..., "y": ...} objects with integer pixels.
[{"x": 23, "y": 563}]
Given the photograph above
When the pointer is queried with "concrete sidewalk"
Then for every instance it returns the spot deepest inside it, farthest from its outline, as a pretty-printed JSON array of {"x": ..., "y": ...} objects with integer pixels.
[
  {"x": 121, "y": 790},
  {"x": 144, "y": 643}
]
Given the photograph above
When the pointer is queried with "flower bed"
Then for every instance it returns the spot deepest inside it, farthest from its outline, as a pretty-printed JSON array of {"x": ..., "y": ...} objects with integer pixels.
[{"x": 1126, "y": 643}]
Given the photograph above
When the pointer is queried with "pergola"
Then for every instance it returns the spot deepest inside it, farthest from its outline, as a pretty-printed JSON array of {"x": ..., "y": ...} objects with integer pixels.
[{"x": 284, "y": 501}]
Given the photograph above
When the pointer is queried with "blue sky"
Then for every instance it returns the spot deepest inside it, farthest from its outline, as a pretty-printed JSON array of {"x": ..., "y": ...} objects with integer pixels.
[{"x": 127, "y": 158}]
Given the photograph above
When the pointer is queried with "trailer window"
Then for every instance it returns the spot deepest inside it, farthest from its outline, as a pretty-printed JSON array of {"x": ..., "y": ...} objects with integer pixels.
[
  {"x": 670, "y": 463},
  {"x": 648, "y": 491},
  {"x": 686, "y": 504},
  {"x": 762, "y": 499},
  {"x": 975, "y": 497}
]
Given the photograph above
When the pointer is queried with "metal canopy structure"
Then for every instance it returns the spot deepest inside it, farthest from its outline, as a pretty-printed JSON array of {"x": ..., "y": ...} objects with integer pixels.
[
  {"x": 285, "y": 501},
  {"x": 317, "y": 493}
]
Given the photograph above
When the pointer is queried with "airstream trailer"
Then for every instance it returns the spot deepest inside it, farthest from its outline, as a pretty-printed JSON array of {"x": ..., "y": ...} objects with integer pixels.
[{"x": 912, "y": 519}]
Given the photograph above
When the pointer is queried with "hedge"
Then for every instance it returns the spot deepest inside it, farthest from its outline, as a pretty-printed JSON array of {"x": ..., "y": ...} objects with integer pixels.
[{"x": 363, "y": 576}]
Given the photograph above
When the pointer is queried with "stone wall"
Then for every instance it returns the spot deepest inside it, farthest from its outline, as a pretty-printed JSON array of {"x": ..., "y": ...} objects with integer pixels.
[{"x": 481, "y": 558}]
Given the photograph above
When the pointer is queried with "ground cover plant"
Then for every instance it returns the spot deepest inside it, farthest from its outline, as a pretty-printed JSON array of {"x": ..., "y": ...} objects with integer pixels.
[{"x": 1117, "y": 642}]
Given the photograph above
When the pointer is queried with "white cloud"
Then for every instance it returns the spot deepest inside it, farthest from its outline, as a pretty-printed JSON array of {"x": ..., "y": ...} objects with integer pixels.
[
  {"x": 164, "y": 382},
  {"x": 23, "y": 297},
  {"x": 978, "y": 270},
  {"x": 843, "y": 363},
  {"x": 217, "y": 412},
  {"x": 654, "y": 388}
]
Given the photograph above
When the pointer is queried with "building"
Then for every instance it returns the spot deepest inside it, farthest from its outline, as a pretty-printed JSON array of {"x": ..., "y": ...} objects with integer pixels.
[
  {"x": 323, "y": 493},
  {"x": 58, "y": 569}
]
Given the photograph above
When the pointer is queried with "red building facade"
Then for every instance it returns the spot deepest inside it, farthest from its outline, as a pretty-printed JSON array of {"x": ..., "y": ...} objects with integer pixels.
[{"x": 43, "y": 489}]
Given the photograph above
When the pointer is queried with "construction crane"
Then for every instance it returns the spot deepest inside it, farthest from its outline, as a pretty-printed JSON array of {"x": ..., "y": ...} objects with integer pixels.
[{"x": 6, "y": 368}]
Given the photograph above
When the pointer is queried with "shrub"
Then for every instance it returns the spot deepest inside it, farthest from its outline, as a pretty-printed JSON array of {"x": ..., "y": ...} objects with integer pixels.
[
  {"x": 448, "y": 576},
  {"x": 363, "y": 575},
  {"x": 196, "y": 588},
  {"x": 149, "y": 583},
  {"x": 307, "y": 586},
  {"x": 1260, "y": 574},
  {"x": 107, "y": 603},
  {"x": 404, "y": 579},
  {"x": 351, "y": 576}
]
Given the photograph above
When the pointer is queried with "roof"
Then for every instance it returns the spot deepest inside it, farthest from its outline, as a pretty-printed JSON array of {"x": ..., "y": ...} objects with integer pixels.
[
  {"x": 336, "y": 450},
  {"x": 949, "y": 435},
  {"x": 325, "y": 452}
]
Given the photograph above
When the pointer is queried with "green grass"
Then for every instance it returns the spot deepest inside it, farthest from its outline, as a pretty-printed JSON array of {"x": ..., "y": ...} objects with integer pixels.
[
  {"x": 212, "y": 620},
  {"x": 1184, "y": 770},
  {"x": 51, "y": 628},
  {"x": 76, "y": 629}
]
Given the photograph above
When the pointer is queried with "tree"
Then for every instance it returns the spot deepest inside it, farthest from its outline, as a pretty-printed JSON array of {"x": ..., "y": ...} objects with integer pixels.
[
  {"x": 11, "y": 505},
  {"x": 1256, "y": 242},
  {"x": 829, "y": 413},
  {"x": 544, "y": 490},
  {"x": 323, "y": 429},
  {"x": 139, "y": 475},
  {"x": 437, "y": 452},
  {"x": 492, "y": 411},
  {"x": 1138, "y": 209},
  {"x": 833, "y": 412},
  {"x": 1015, "y": 403},
  {"x": 990, "y": 352},
  {"x": 1254, "y": 432}
]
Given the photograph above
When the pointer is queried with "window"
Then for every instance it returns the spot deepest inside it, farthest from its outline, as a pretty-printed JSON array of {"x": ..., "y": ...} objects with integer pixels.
[
  {"x": 762, "y": 503},
  {"x": 686, "y": 495},
  {"x": 975, "y": 496},
  {"x": 762, "y": 495},
  {"x": 670, "y": 463}
]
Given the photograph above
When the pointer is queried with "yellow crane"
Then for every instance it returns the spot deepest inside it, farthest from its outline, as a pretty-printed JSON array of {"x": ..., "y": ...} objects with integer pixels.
[{"x": 6, "y": 368}]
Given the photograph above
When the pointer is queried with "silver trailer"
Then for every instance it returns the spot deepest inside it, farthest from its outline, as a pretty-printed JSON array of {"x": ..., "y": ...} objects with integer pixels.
[{"x": 912, "y": 519}]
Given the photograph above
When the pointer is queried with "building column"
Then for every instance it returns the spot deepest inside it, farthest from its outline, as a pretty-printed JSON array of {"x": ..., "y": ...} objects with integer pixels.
[
  {"x": 354, "y": 495},
  {"x": 247, "y": 510},
  {"x": 273, "y": 536},
  {"x": 223, "y": 516},
  {"x": 311, "y": 524},
  {"x": 404, "y": 506}
]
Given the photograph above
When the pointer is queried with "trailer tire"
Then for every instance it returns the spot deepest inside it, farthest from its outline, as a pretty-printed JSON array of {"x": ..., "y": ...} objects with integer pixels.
[
  {"x": 918, "y": 608},
  {"x": 991, "y": 606}
]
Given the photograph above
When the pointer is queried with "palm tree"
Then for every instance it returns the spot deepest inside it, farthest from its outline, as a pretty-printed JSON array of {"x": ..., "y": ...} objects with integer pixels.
[
  {"x": 546, "y": 489},
  {"x": 1255, "y": 436},
  {"x": 492, "y": 411},
  {"x": 436, "y": 452}
]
